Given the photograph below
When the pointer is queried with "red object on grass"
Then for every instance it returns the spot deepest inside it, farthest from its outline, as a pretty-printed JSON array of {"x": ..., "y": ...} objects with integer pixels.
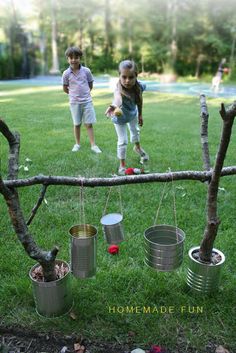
[
  {"x": 129, "y": 171},
  {"x": 157, "y": 349},
  {"x": 113, "y": 249},
  {"x": 134, "y": 171}
]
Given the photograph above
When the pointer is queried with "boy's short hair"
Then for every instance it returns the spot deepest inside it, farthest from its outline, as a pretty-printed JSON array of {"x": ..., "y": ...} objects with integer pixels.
[{"x": 73, "y": 51}]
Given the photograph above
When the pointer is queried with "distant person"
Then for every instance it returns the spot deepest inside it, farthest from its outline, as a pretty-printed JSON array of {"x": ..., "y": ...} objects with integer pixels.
[
  {"x": 126, "y": 110},
  {"x": 218, "y": 77},
  {"x": 77, "y": 82}
]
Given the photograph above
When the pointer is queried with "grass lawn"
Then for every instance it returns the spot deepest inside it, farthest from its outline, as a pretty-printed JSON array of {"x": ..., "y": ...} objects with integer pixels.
[{"x": 171, "y": 137}]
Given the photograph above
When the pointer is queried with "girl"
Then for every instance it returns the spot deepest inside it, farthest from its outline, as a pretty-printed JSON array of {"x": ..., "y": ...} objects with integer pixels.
[{"x": 126, "y": 109}]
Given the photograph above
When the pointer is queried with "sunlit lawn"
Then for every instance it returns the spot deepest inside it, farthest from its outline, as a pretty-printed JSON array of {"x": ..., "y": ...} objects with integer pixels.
[{"x": 171, "y": 137}]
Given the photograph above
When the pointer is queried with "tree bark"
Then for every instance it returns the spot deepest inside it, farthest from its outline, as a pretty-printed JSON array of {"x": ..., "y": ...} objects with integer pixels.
[
  {"x": 204, "y": 133},
  {"x": 118, "y": 180},
  {"x": 212, "y": 218},
  {"x": 45, "y": 258}
]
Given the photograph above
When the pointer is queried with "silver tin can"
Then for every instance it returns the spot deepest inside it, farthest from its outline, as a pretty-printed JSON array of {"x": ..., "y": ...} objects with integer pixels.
[
  {"x": 112, "y": 228},
  {"x": 202, "y": 277},
  {"x": 52, "y": 299},
  {"x": 164, "y": 245},
  {"x": 83, "y": 250}
]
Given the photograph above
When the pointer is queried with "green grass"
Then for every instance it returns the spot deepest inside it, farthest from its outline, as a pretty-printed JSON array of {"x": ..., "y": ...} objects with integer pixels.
[{"x": 171, "y": 137}]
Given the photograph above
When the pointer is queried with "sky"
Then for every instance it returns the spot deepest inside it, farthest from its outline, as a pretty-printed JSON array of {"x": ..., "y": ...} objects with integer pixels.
[{"x": 23, "y": 6}]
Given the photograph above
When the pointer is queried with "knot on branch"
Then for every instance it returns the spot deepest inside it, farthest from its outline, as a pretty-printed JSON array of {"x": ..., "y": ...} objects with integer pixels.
[
  {"x": 214, "y": 222},
  {"x": 52, "y": 254}
]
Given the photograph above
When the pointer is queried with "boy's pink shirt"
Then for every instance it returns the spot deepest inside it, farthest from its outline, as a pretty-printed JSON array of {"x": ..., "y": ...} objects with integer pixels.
[{"x": 78, "y": 84}]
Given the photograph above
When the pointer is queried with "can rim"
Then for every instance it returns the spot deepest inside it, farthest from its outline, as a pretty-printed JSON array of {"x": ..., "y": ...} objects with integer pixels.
[
  {"x": 206, "y": 264},
  {"x": 105, "y": 219},
  {"x": 51, "y": 282},
  {"x": 180, "y": 232},
  {"x": 83, "y": 237}
]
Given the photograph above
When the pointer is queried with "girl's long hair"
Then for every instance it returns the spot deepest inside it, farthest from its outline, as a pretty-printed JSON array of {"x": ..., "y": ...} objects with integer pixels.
[{"x": 136, "y": 92}]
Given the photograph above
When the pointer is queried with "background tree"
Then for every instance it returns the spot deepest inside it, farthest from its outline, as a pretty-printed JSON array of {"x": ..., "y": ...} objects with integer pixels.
[{"x": 187, "y": 37}]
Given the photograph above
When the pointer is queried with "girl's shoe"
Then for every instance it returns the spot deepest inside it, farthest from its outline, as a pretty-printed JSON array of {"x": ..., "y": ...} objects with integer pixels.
[
  {"x": 144, "y": 156},
  {"x": 121, "y": 170}
]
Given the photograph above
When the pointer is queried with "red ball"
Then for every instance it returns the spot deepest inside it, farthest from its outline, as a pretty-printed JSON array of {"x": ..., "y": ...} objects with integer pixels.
[
  {"x": 113, "y": 249},
  {"x": 129, "y": 171},
  {"x": 157, "y": 349}
]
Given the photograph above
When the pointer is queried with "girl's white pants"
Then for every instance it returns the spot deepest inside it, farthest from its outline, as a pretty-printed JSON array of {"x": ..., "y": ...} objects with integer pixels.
[{"x": 121, "y": 130}]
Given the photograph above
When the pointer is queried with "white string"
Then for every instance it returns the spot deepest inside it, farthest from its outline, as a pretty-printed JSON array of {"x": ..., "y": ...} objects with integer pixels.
[
  {"x": 82, "y": 212},
  {"x": 174, "y": 204},
  {"x": 121, "y": 207},
  {"x": 160, "y": 203},
  {"x": 108, "y": 197}
]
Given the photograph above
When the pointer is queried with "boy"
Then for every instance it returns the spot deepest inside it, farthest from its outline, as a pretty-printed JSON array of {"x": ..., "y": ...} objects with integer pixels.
[{"x": 77, "y": 82}]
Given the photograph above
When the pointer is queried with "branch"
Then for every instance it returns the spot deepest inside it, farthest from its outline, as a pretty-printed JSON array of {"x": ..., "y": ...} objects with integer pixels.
[
  {"x": 212, "y": 218},
  {"x": 45, "y": 258},
  {"x": 204, "y": 133},
  {"x": 14, "y": 148},
  {"x": 118, "y": 180},
  {"x": 35, "y": 208}
]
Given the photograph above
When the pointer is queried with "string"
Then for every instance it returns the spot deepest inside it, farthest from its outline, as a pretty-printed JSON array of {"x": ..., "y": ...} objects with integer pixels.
[
  {"x": 160, "y": 203},
  {"x": 82, "y": 213},
  {"x": 120, "y": 199},
  {"x": 108, "y": 197},
  {"x": 174, "y": 204}
]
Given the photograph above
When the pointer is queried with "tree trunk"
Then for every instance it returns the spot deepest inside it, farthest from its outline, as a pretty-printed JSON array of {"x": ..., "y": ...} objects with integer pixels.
[
  {"x": 172, "y": 15},
  {"x": 232, "y": 60},
  {"x": 55, "y": 60},
  {"x": 108, "y": 34},
  {"x": 212, "y": 219}
]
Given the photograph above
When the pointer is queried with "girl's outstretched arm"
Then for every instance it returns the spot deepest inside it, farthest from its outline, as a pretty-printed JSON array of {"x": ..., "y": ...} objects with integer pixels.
[
  {"x": 113, "y": 110},
  {"x": 140, "y": 116}
]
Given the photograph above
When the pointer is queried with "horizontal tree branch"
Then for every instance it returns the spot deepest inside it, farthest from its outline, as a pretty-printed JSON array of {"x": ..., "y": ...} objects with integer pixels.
[{"x": 118, "y": 180}]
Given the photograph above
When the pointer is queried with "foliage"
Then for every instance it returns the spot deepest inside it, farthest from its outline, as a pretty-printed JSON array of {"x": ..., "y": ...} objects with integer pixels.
[
  {"x": 203, "y": 32},
  {"x": 171, "y": 137}
]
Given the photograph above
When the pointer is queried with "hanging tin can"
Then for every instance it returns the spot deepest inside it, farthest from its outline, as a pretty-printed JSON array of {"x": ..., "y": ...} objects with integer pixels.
[
  {"x": 113, "y": 228},
  {"x": 83, "y": 250},
  {"x": 164, "y": 245}
]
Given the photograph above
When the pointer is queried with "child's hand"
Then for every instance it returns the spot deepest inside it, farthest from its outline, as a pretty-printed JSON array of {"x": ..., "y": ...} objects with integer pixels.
[
  {"x": 113, "y": 110},
  {"x": 118, "y": 112},
  {"x": 140, "y": 120},
  {"x": 110, "y": 111}
]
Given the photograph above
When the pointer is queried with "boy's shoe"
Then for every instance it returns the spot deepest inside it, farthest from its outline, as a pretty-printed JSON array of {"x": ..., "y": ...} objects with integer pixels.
[
  {"x": 144, "y": 156},
  {"x": 121, "y": 170},
  {"x": 96, "y": 149},
  {"x": 76, "y": 148}
]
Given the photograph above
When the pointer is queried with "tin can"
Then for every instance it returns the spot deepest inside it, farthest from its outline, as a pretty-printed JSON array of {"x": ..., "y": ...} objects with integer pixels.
[{"x": 113, "y": 228}]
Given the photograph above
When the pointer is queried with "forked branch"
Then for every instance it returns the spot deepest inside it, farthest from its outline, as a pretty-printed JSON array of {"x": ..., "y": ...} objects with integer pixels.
[{"x": 45, "y": 258}]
